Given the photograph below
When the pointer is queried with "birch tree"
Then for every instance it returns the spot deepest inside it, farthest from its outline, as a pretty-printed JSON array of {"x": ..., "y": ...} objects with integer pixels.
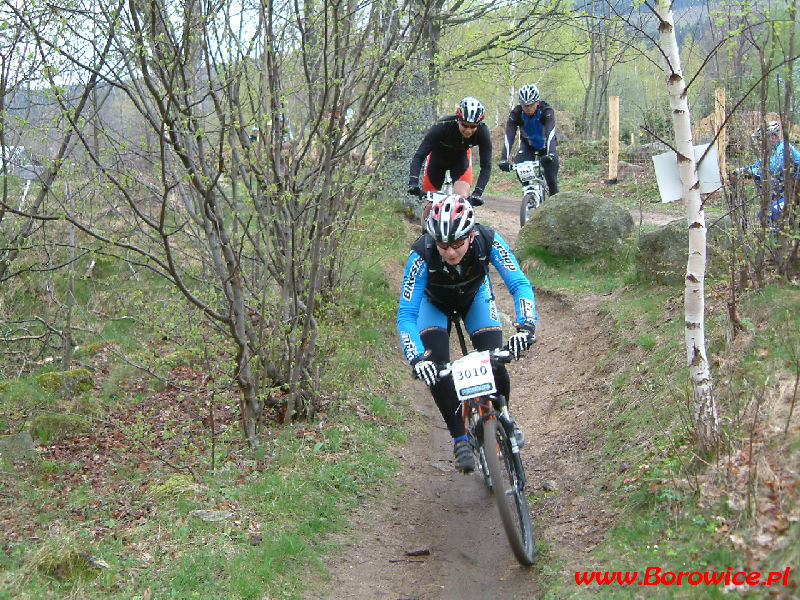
[{"x": 703, "y": 402}]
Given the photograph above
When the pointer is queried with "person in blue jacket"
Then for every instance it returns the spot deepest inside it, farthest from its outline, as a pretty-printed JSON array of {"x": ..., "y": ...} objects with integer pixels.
[
  {"x": 448, "y": 272},
  {"x": 776, "y": 168},
  {"x": 536, "y": 121}
]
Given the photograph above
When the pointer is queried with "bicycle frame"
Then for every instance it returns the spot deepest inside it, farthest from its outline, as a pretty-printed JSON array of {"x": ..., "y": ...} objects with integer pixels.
[
  {"x": 447, "y": 189},
  {"x": 490, "y": 431},
  {"x": 475, "y": 411}
]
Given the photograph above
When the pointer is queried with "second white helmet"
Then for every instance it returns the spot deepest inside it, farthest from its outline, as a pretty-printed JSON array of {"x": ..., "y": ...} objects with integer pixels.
[{"x": 528, "y": 94}]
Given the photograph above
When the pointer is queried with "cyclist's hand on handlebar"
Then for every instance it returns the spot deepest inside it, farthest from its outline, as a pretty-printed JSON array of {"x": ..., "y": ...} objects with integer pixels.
[
  {"x": 546, "y": 159},
  {"x": 424, "y": 369},
  {"x": 522, "y": 340},
  {"x": 475, "y": 200},
  {"x": 504, "y": 165},
  {"x": 414, "y": 190}
]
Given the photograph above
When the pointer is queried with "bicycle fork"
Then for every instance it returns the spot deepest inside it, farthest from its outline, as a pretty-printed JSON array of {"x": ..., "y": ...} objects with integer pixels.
[{"x": 480, "y": 414}]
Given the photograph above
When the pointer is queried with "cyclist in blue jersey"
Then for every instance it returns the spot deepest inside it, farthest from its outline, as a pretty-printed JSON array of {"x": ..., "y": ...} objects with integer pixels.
[
  {"x": 775, "y": 170},
  {"x": 536, "y": 121},
  {"x": 448, "y": 272}
]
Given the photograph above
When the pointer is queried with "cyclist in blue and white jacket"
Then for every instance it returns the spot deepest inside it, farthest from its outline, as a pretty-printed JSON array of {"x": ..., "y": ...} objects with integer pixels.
[
  {"x": 776, "y": 168},
  {"x": 448, "y": 272},
  {"x": 536, "y": 121}
]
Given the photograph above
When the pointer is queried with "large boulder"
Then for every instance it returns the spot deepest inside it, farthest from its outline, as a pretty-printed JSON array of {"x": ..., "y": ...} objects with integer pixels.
[
  {"x": 663, "y": 252},
  {"x": 18, "y": 447},
  {"x": 644, "y": 153},
  {"x": 576, "y": 225}
]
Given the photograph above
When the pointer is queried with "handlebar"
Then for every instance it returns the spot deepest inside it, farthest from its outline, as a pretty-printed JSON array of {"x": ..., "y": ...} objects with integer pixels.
[
  {"x": 496, "y": 356},
  {"x": 433, "y": 196}
]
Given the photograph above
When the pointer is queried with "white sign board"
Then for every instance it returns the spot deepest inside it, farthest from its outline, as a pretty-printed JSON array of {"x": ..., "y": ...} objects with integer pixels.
[{"x": 669, "y": 179}]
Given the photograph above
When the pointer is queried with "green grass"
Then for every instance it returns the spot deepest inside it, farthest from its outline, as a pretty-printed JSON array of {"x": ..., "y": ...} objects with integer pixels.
[
  {"x": 285, "y": 501},
  {"x": 663, "y": 520}
]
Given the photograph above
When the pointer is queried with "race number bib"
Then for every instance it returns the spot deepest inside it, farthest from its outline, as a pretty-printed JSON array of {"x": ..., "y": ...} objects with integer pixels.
[
  {"x": 472, "y": 375},
  {"x": 525, "y": 170}
]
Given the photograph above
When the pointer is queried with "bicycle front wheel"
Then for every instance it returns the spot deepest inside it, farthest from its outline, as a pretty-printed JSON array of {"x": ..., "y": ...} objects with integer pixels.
[
  {"x": 530, "y": 202},
  {"x": 508, "y": 492}
]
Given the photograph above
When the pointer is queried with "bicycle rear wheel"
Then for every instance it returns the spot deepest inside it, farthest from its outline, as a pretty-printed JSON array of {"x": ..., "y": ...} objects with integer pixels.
[{"x": 508, "y": 493}]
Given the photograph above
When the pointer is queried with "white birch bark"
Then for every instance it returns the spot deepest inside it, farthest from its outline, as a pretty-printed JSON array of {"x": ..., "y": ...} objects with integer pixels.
[{"x": 704, "y": 406}]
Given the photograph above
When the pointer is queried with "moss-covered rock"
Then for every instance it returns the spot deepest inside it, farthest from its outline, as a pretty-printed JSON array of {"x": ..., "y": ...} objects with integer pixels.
[
  {"x": 177, "y": 483},
  {"x": 76, "y": 380},
  {"x": 92, "y": 349},
  {"x": 64, "y": 559},
  {"x": 663, "y": 252},
  {"x": 575, "y": 225},
  {"x": 50, "y": 428},
  {"x": 18, "y": 447},
  {"x": 180, "y": 358}
]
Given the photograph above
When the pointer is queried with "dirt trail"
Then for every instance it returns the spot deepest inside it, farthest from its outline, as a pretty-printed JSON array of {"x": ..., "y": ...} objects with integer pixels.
[{"x": 416, "y": 545}]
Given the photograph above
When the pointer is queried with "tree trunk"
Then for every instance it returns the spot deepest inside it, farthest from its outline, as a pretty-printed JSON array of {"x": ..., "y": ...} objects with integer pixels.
[{"x": 704, "y": 406}]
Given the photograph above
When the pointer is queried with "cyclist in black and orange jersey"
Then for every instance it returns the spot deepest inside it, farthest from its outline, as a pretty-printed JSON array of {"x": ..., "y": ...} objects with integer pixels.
[{"x": 447, "y": 145}]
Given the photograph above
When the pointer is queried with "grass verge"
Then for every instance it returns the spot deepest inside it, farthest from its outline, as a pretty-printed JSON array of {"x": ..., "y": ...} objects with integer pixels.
[
  {"x": 133, "y": 509},
  {"x": 736, "y": 511}
]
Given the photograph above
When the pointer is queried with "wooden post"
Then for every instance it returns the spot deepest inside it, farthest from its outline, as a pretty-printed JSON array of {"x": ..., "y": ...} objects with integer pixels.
[
  {"x": 722, "y": 142},
  {"x": 613, "y": 138}
]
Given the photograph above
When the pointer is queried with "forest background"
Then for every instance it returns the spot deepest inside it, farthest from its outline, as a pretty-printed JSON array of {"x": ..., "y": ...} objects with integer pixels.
[{"x": 184, "y": 188}]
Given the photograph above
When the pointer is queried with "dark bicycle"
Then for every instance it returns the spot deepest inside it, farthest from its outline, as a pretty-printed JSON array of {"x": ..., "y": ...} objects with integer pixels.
[{"x": 490, "y": 430}]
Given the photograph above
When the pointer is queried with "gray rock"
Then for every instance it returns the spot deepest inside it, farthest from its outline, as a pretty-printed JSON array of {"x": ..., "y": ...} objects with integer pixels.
[
  {"x": 18, "y": 447},
  {"x": 550, "y": 485},
  {"x": 644, "y": 152},
  {"x": 576, "y": 225},
  {"x": 663, "y": 252}
]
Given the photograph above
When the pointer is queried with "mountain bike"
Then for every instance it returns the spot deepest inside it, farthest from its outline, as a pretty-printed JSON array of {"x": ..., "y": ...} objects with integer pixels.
[
  {"x": 534, "y": 187},
  {"x": 490, "y": 430}
]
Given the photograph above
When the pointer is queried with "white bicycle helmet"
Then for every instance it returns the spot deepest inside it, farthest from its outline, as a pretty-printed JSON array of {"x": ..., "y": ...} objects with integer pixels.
[
  {"x": 773, "y": 128},
  {"x": 470, "y": 110},
  {"x": 451, "y": 219},
  {"x": 528, "y": 94}
]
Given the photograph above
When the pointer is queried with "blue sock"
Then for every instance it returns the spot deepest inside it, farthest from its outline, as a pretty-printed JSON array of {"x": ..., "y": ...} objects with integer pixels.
[{"x": 459, "y": 438}]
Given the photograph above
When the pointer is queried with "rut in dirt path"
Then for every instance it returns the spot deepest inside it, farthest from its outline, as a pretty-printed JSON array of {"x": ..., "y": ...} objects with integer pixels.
[{"x": 438, "y": 536}]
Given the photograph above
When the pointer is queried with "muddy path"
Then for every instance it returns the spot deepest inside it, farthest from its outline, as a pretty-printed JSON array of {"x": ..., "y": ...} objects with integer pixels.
[{"x": 439, "y": 536}]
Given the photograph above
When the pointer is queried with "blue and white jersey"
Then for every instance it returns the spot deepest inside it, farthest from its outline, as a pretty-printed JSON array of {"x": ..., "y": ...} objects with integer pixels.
[{"x": 425, "y": 264}]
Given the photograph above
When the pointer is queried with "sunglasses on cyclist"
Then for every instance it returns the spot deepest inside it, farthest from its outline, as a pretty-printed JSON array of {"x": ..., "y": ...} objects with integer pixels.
[
  {"x": 453, "y": 245},
  {"x": 466, "y": 125}
]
